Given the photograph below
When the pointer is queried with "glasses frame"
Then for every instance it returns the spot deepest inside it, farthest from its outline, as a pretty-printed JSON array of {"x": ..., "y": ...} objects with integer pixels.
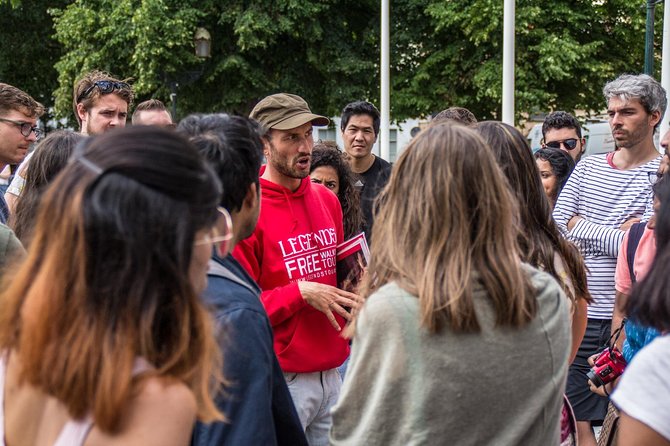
[
  {"x": 25, "y": 128},
  {"x": 564, "y": 142},
  {"x": 105, "y": 87},
  {"x": 220, "y": 243}
]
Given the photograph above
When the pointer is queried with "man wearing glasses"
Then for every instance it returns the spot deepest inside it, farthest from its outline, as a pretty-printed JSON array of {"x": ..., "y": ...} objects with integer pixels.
[
  {"x": 101, "y": 102},
  {"x": 18, "y": 129},
  {"x": 605, "y": 195},
  {"x": 562, "y": 131}
]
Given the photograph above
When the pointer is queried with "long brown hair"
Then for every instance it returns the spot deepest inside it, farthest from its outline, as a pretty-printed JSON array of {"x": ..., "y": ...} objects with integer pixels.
[
  {"x": 447, "y": 221},
  {"x": 50, "y": 157},
  {"x": 539, "y": 238},
  {"x": 106, "y": 279}
]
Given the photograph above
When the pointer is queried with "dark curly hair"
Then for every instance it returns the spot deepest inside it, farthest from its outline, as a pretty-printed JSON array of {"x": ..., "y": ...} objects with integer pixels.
[
  {"x": 560, "y": 120},
  {"x": 562, "y": 165},
  {"x": 326, "y": 153}
]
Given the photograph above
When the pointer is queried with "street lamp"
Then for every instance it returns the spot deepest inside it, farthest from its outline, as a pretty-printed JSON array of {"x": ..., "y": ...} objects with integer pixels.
[
  {"x": 203, "y": 49},
  {"x": 203, "y": 43}
]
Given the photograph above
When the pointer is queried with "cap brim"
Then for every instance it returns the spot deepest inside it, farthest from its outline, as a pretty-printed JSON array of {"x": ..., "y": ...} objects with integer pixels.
[{"x": 300, "y": 119}]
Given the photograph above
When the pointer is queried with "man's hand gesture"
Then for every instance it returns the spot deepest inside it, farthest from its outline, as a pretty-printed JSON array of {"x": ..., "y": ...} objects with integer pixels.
[{"x": 328, "y": 299}]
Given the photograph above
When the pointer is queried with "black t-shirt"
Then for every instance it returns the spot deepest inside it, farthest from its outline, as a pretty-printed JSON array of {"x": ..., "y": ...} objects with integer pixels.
[{"x": 370, "y": 183}]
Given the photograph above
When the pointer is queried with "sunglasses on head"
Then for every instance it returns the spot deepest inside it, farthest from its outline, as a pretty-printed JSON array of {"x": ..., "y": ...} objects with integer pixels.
[
  {"x": 105, "y": 87},
  {"x": 569, "y": 144}
]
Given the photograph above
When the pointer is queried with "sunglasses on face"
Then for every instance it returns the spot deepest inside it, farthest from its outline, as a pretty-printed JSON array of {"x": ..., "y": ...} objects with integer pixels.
[
  {"x": 569, "y": 144},
  {"x": 25, "y": 128},
  {"x": 105, "y": 87}
]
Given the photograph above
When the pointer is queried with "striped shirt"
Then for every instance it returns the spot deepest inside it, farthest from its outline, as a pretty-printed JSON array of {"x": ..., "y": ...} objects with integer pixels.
[{"x": 605, "y": 197}]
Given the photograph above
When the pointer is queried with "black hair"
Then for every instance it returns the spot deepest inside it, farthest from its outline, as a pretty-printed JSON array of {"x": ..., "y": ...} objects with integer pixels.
[
  {"x": 326, "y": 153},
  {"x": 649, "y": 302},
  {"x": 360, "y": 108},
  {"x": 561, "y": 120},
  {"x": 50, "y": 157},
  {"x": 561, "y": 163},
  {"x": 233, "y": 146}
]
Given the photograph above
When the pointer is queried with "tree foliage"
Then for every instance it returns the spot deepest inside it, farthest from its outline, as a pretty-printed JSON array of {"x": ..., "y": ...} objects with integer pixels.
[
  {"x": 28, "y": 51},
  {"x": 450, "y": 53},
  {"x": 443, "y": 52},
  {"x": 321, "y": 50}
]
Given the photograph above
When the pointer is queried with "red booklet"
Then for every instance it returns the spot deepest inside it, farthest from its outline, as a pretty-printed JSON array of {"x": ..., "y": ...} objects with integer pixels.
[{"x": 352, "y": 257}]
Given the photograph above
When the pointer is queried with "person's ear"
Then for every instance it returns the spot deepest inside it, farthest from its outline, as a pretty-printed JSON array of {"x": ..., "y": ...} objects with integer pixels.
[
  {"x": 654, "y": 118},
  {"x": 266, "y": 147},
  {"x": 82, "y": 112},
  {"x": 251, "y": 198}
]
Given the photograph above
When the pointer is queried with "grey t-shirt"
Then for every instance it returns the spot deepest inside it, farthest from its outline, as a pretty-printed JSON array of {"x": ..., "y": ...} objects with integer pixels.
[{"x": 501, "y": 386}]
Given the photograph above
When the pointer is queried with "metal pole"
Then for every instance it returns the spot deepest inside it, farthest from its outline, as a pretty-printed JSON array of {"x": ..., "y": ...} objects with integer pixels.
[
  {"x": 508, "y": 63},
  {"x": 649, "y": 39},
  {"x": 665, "y": 63},
  {"x": 173, "y": 99},
  {"x": 385, "y": 89}
]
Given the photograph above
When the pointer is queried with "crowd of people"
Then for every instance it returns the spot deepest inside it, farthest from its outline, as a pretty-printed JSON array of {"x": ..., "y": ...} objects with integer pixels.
[{"x": 176, "y": 283}]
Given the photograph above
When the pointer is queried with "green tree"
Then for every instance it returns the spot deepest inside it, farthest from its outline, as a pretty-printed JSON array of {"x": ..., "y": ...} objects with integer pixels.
[
  {"x": 325, "y": 51},
  {"x": 443, "y": 52},
  {"x": 450, "y": 53},
  {"x": 28, "y": 51}
]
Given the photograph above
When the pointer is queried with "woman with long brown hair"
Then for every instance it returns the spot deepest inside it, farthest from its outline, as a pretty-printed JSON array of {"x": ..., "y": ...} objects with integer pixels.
[
  {"x": 104, "y": 338},
  {"x": 50, "y": 157},
  {"x": 457, "y": 341},
  {"x": 540, "y": 240}
]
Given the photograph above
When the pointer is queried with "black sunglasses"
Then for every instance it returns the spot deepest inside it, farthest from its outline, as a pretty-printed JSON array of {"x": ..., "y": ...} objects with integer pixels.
[
  {"x": 25, "y": 128},
  {"x": 569, "y": 143},
  {"x": 105, "y": 87}
]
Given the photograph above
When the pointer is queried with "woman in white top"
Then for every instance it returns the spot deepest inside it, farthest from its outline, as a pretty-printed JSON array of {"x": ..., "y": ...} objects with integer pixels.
[{"x": 103, "y": 336}]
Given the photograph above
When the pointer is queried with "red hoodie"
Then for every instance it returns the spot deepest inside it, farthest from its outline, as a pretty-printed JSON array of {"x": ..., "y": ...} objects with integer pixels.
[{"x": 295, "y": 239}]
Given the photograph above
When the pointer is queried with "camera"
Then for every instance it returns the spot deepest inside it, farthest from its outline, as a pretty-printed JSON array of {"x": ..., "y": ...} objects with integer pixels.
[{"x": 607, "y": 366}]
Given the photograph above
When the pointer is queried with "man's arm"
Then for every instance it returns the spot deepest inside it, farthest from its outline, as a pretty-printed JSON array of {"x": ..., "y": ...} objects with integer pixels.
[
  {"x": 283, "y": 302},
  {"x": 280, "y": 302},
  {"x": 588, "y": 236},
  {"x": 567, "y": 204},
  {"x": 246, "y": 342},
  {"x": 598, "y": 238}
]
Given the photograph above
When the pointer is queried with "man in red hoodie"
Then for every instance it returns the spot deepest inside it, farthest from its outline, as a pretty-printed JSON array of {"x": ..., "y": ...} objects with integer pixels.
[{"x": 291, "y": 255}]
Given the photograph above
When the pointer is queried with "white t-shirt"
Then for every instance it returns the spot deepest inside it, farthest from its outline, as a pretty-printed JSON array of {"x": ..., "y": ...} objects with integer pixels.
[
  {"x": 644, "y": 390},
  {"x": 19, "y": 181}
]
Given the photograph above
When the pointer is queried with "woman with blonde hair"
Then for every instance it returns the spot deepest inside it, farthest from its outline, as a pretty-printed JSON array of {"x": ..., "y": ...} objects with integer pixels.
[
  {"x": 458, "y": 340},
  {"x": 104, "y": 338}
]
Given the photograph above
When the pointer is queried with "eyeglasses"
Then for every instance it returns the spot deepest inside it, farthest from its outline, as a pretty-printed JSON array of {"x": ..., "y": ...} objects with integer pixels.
[
  {"x": 25, "y": 128},
  {"x": 220, "y": 234},
  {"x": 654, "y": 177},
  {"x": 105, "y": 87},
  {"x": 569, "y": 144}
]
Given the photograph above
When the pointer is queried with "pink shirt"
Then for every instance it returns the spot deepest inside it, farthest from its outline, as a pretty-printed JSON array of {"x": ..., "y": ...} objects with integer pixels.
[{"x": 644, "y": 257}]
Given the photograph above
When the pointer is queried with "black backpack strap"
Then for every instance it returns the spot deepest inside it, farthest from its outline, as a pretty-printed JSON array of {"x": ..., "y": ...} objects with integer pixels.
[
  {"x": 634, "y": 235},
  {"x": 216, "y": 269}
]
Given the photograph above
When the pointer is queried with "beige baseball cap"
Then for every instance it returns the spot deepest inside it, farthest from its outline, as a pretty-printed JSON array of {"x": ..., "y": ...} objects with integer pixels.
[{"x": 284, "y": 111}]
